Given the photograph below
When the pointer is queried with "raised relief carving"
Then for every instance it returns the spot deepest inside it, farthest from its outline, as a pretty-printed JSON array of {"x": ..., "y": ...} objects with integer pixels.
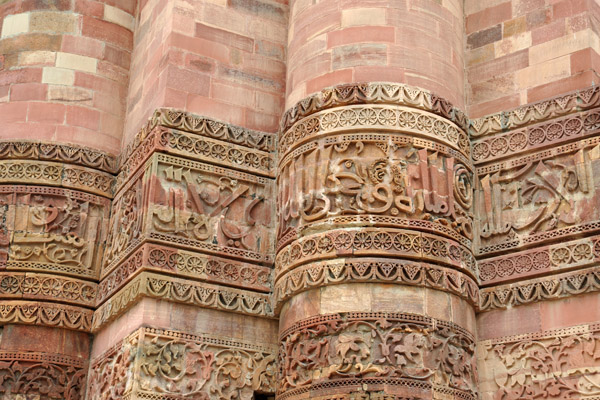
[
  {"x": 366, "y": 345},
  {"x": 182, "y": 365},
  {"x": 53, "y": 229},
  {"x": 538, "y": 199},
  {"x": 548, "y": 365},
  {"x": 346, "y": 176},
  {"x": 213, "y": 209},
  {"x": 32, "y": 375}
]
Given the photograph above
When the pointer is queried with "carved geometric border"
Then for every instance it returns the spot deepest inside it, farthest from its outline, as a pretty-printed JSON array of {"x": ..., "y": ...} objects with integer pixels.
[
  {"x": 56, "y": 174},
  {"x": 374, "y": 242},
  {"x": 37, "y": 286},
  {"x": 548, "y": 288},
  {"x": 537, "y": 112},
  {"x": 551, "y": 133},
  {"x": 334, "y": 272},
  {"x": 65, "y": 153},
  {"x": 45, "y": 314},
  {"x": 375, "y": 119},
  {"x": 162, "y": 287},
  {"x": 375, "y": 93}
]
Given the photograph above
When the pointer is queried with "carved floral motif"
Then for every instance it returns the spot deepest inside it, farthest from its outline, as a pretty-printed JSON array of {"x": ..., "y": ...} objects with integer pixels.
[
  {"x": 181, "y": 365},
  {"x": 382, "y": 345},
  {"x": 550, "y": 365}
]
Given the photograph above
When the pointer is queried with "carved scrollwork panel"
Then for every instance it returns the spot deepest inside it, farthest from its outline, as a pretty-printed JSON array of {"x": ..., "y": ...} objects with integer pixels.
[
  {"x": 212, "y": 209},
  {"x": 52, "y": 229},
  {"x": 174, "y": 365},
  {"x": 559, "y": 364},
  {"x": 379, "y": 346},
  {"x": 32, "y": 375}
]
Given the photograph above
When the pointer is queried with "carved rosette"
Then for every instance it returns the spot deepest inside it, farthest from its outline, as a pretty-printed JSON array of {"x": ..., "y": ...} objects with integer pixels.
[
  {"x": 152, "y": 363},
  {"x": 404, "y": 354}
]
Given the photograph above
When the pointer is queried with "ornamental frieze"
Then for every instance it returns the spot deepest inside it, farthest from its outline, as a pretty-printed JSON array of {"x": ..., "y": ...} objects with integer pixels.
[
  {"x": 33, "y": 375},
  {"x": 65, "y": 153},
  {"x": 52, "y": 229},
  {"x": 556, "y": 286},
  {"x": 560, "y": 364},
  {"x": 45, "y": 314},
  {"x": 334, "y": 348},
  {"x": 375, "y": 242},
  {"x": 186, "y": 264},
  {"x": 383, "y": 270},
  {"x": 376, "y": 178},
  {"x": 177, "y": 290},
  {"x": 375, "y": 118},
  {"x": 175, "y": 365},
  {"x": 374, "y": 93},
  {"x": 538, "y": 198},
  {"x": 537, "y": 112}
]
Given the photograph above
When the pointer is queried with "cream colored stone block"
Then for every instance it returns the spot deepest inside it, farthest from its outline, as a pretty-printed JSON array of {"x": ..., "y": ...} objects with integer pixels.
[
  {"x": 512, "y": 44},
  {"x": 363, "y": 16},
  {"x": 37, "y": 57},
  {"x": 76, "y": 62},
  {"x": 545, "y": 72},
  {"x": 15, "y": 24},
  {"x": 54, "y": 22},
  {"x": 58, "y": 76},
  {"x": 345, "y": 298},
  {"x": 119, "y": 17},
  {"x": 561, "y": 46}
]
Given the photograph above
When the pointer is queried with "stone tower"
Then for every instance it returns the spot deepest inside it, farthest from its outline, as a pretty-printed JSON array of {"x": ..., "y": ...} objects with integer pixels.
[{"x": 299, "y": 199}]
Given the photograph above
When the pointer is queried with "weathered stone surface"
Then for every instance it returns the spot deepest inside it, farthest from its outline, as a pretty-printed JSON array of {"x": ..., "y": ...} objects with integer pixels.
[{"x": 167, "y": 231}]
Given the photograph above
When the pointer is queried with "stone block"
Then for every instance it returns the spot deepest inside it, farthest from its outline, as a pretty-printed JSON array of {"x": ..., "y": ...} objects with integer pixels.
[{"x": 15, "y": 24}]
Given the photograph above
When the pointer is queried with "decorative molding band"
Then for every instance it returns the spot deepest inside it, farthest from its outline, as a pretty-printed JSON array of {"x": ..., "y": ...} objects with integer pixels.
[
  {"x": 202, "y": 126},
  {"x": 32, "y": 375},
  {"x": 152, "y": 285},
  {"x": 28, "y": 286},
  {"x": 552, "y": 133},
  {"x": 334, "y": 272},
  {"x": 537, "y": 112},
  {"x": 558, "y": 364},
  {"x": 180, "y": 143},
  {"x": 62, "y": 153},
  {"x": 185, "y": 264},
  {"x": 374, "y": 242},
  {"x": 393, "y": 119},
  {"x": 540, "y": 260},
  {"x": 547, "y": 288},
  {"x": 158, "y": 364},
  {"x": 45, "y": 314},
  {"x": 56, "y": 174},
  {"x": 375, "y": 93},
  {"x": 329, "y": 352}
]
